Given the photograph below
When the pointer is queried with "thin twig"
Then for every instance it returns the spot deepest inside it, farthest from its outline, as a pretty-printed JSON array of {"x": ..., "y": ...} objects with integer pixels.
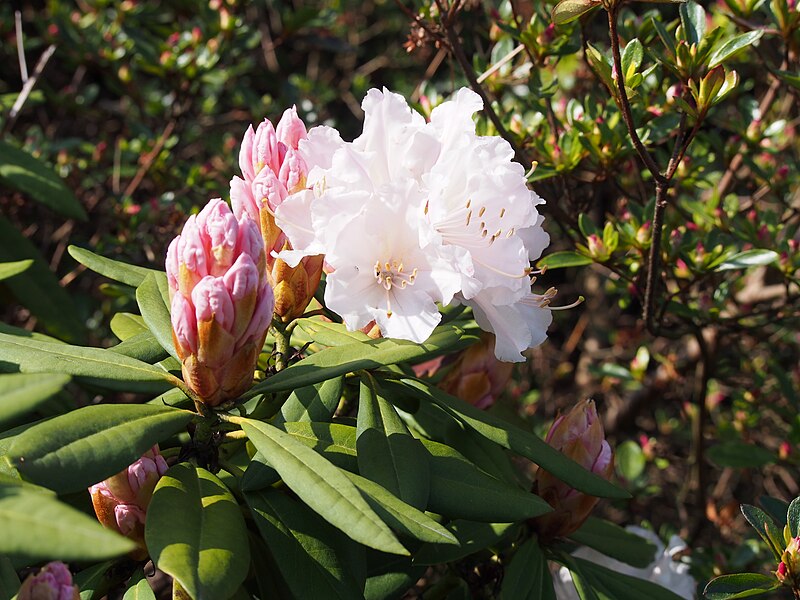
[
  {"x": 499, "y": 64},
  {"x": 23, "y": 65},
  {"x": 28, "y": 86},
  {"x": 149, "y": 158}
]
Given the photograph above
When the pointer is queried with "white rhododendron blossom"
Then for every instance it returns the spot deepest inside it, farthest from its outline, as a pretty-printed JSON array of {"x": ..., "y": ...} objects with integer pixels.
[
  {"x": 665, "y": 570},
  {"x": 412, "y": 214}
]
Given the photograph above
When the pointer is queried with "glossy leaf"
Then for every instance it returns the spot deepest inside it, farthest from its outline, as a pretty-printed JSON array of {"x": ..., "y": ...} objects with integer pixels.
[
  {"x": 29, "y": 175},
  {"x": 765, "y": 527},
  {"x": 748, "y": 258},
  {"x": 336, "y": 361},
  {"x": 322, "y": 486},
  {"x": 528, "y": 577},
  {"x": 693, "y": 22},
  {"x": 73, "y": 451},
  {"x": 564, "y": 259},
  {"x": 793, "y": 517},
  {"x": 518, "y": 440},
  {"x": 615, "y": 542},
  {"x": 127, "y": 325},
  {"x": 111, "y": 370},
  {"x": 37, "y": 527},
  {"x": 315, "y": 402},
  {"x": 195, "y": 532},
  {"x": 776, "y": 508},
  {"x": 131, "y": 275},
  {"x": 629, "y": 460},
  {"x": 9, "y": 582},
  {"x": 139, "y": 588},
  {"x": 330, "y": 334},
  {"x": 93, "y": 582},
  {"x": 739, "y": 585},
  {"x": 152, "y": 296},
  {"x": 334, "y": 441},
  {"x": 306, "y": 548},
  {"x": 567, "y": 11},
  {"x": 21, "y": 393},
  {"x": 9, "y": 269},
  {"x": 387, "y": 453},
  {"x": 390, "y": 576},
  {"x": 733, "y": 46},
  {"x": 143, "y": 346}
]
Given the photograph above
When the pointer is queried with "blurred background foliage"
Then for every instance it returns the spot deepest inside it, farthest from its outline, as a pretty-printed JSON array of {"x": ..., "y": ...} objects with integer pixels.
[{"x": 141, "y": 108}]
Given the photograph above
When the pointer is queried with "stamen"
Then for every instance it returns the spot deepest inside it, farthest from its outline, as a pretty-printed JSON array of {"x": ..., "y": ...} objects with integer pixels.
[
  {"x": 483, "y": 210},
  {"x": 502, "y": 212}
]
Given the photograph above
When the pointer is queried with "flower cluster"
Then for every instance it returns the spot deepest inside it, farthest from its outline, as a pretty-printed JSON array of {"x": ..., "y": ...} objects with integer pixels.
[
  {"x": 221, "y": 302},
  {"x": 412, "y": 214},
  {"x": 120, "y": 502},
  {"x": 53, "y": 582}
]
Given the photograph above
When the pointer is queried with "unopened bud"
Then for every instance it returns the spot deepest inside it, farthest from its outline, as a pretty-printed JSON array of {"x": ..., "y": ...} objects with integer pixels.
[
  {"x": 53, "y": 582},
  {"x": 477, "y": 377}
]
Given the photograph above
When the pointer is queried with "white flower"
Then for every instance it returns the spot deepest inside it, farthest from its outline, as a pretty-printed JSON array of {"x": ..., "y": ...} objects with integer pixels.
[
  {"x": 664, "y": 570},
  {"x": 445, "y": 204}
]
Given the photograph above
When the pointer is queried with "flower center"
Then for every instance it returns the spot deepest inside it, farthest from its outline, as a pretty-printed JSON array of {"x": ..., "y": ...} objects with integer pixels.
[
  {"x": 392, "y": 273},
  {"x": 470, "y": 226}
]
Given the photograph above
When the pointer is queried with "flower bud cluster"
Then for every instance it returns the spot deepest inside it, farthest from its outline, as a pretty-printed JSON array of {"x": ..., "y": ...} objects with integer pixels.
[
  {"x": 52, "y": 582},
  {"x": 476, "y": 376}
]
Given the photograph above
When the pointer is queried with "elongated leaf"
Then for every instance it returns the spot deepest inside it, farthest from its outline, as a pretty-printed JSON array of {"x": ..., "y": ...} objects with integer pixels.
[
  {"x": 612, "y": 540},
  {"x": 73, "y": 451},
  {"x": 131, "y": 275},
  {"x": 307, "y": 549},
  {"x": 610, "y": 585},
  {"x": 765, "y": 527},
  {"x": 334, "y": 441},
  {"x": 25, "y": 173},
  {"x": 390, "y": 576},
  {"x": 387, "y": 453},
  {"x": 693, "y": 22},
  {"x": 567, "y": 11},
  {"x": 127, "y": 325},
  {"x": 776, "y": 509},
  {"x": 632, "y": 57},
  {"x": 739, "y": 585},
  {"x": 21, "y": 394},
  {"x": 471, "y": 536},
  {"x": 400, "y": 515},
  {"x": 9, "y": 582},
  {"x": 38, "y": 527},
  {"x": 195, "y": 532},
  {"x": 139, "y": 588},
  {"x": 518, "y": 440},
  {"x": 315, "y": 402},
  {"x": 793, "y": 517},
  {"x": 152, "y": 297},
  {"x": 37, "y": 288},
  {"x": 322, "y": 486},
  {"x": 111, "y": 370},
  {"x": 733, "y": 46},
  {"x": 93, "y": 582},
  {"x": 9, "y": 269},
  {"x": 527, "y": 577},
  {"x": 336, "y": 361},
  {"x": 563, "y": 259},
  {"x": 748, "y": 258},
  {"x": 460, "y": 490},
  {"x": 142, "y": 346},
  {"x": 331, "y": 334}
]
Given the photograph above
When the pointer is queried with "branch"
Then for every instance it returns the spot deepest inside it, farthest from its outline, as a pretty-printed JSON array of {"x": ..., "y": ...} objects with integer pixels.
[{"x": 28, "y": 86}]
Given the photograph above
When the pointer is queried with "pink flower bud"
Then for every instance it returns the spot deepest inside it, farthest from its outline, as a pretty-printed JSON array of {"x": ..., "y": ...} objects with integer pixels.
[
  {"x": 53, "y": 582},
  {"x": 477, "y": 377},
  {"x": 579, "y": 435},
  {"x": 219, "y": 320},
  {"x": 291, "y": 128}
]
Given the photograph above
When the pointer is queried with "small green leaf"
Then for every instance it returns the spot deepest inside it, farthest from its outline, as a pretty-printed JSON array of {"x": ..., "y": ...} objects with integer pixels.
[
  {"x": 29, "y": 175},
  {"x": 733, "y": 46},
  {"x": 693, "y": 21},
  {"x": 567, "y": 11},
  {"x": 9, "y": 582},
  {"x": 612, "y": 540},
  {"x": 739, "y": 585},
  {"x": 9, "y": 269},
  {"x": 564, "y": 259},
  {"x": 632, "y": 57},
  {"x": 37, "y": 527},
  {"x": 127, "y": 325},
  {"x": 322, "y": 486},
  {"x": 740, "y": 455},
  {"x": 390, "y": 576},
  {"x": 775, "y": 508},
  {"x": 766, "y": 528},
  {"x": 93, "y": 582},
  {"x": 139, "y": 588},
  {"x": 629, "y": 460},
  {"x": 21, "y": 394},
  {"x": 152, "y": 296},
  {"x": 748, "y": 258},
  {"x": 196, "y": 533},
  {"x": 73, "y": 451},
  {"x": 528, "y": 577},
  {"x": 792, "y": 79},
  {"x": 131, "y": 275},
  {"x": 793, "y": 517}
]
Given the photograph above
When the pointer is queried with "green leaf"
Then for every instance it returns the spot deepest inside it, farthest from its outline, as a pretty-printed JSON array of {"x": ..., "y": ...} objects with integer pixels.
[
  {"x": 733, "y": 46},
  {"x": 748, "y": 258},
  {"x": 471, "y": 536},
  {"x": 21, "y": 393},
  {"x": 315, "y": 402},
  {"x": 322, "y": 486},
  {"x": 73, "y": 451},
  {"x": 93, "y": 582},
  {"x": 139, "y": 588},
  {"x": 518, "y": 440},
  {"x": 131, "y": 275},
  {"x": 196, "y": 533},
  {"x": 740, "y": 455},
  {"x": 9, "y": 582},
  {"x": 775, "y": 508},
  {"x": 567, "y": 11},
  {"x": 632, "y": 57},
  {"x": 334, "y": 441},
  {"x": 307, "y": 549},
  {"x": 400, "y": 515},
  {"x": 390, "y": 576},
  {"x": 127, "y": 325},
  {"x": 766, "y": 528},
  {"x": 611, "y": 585},
  {"x": 9, "y": 269},
  {"x": 528, "y": 577},
  {"x": 142, "y": 346},
  {"x": 739, "y": 585},
  {"x": 793, "y": 517},
  {"x": 693, "y": 22},
  {"x": 29, "y": 175},
  {"x": 330, "y": 334},
  {"x": 374, "y": 354},
  {"x": 37, "y": 288},
  {"x": 114, "y": 371},
  {"x": 792, "y": 79},
  {"x": 152, "y": 296},
  {"x": 629, "y": 460},
  {"x": 667, "y": 38},
  {"x": 612, "y": 540},
  {"x": 460, "y": 490},
  {"x": 561, "y": 260},
  {"x": 37, "y": 527},
  {"x": 387, "y": 453}
]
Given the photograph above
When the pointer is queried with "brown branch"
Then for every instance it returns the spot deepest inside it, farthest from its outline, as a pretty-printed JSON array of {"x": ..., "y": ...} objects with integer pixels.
[{"x": 149, "y": 158}]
